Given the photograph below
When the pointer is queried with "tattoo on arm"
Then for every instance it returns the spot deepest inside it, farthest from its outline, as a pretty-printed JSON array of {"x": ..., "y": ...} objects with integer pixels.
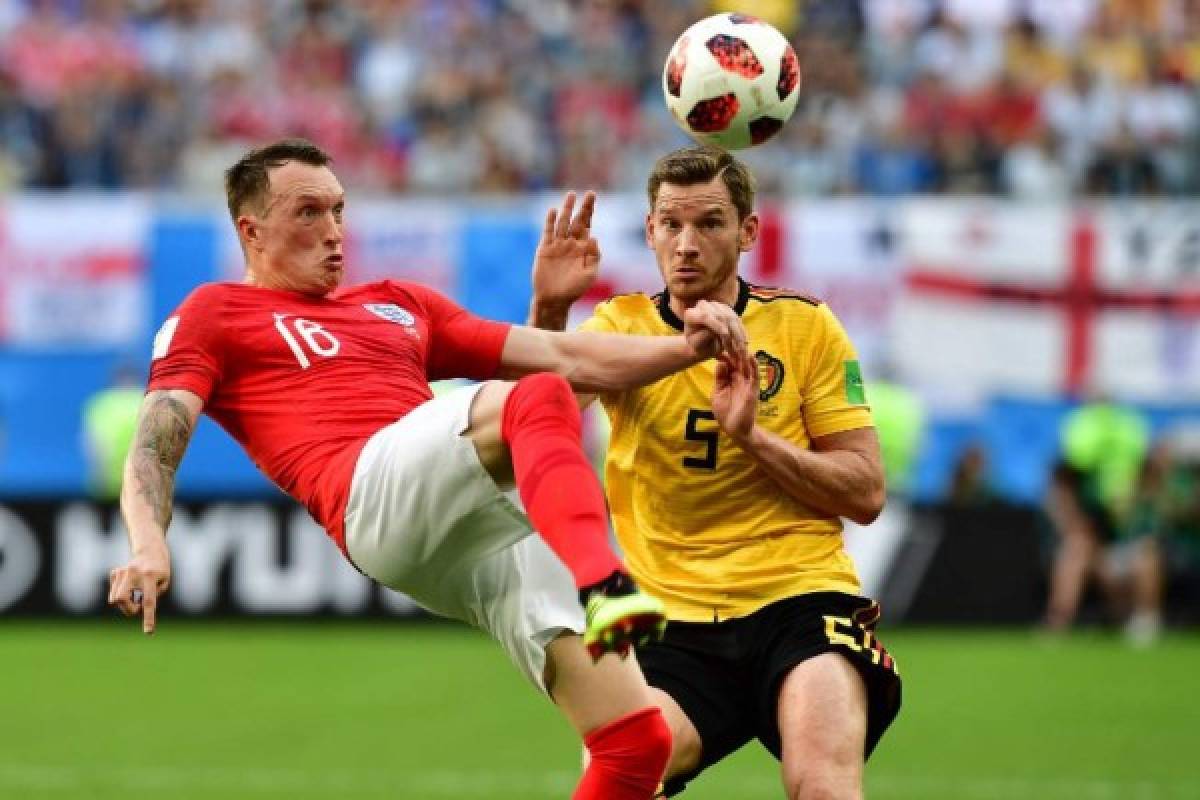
[{"x": 162, "y": 435}]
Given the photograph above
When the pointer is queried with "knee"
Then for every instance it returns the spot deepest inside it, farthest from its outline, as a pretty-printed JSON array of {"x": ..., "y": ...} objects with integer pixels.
[
  {"x": 542, "y": 397},
  {"x": 813, "y": 785},
  {"x": 824, "y": 775},
  {"x": 548, "y": 387},
  {"x": 686, "y": 750}
]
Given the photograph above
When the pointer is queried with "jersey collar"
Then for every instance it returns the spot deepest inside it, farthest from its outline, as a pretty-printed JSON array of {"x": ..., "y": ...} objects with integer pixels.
[{"x": 672, "y": 319}]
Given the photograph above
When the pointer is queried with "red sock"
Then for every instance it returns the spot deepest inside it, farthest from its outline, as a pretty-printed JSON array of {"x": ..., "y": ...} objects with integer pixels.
[
  {"x": 562, "y": 496},
  {"x": 628, "y": 758}
]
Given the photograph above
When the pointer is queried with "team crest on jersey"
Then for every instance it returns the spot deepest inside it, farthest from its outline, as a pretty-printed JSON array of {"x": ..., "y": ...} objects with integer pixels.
[
  {"x": 392, "y": 313},
  {"x": 770, "y": 375}
]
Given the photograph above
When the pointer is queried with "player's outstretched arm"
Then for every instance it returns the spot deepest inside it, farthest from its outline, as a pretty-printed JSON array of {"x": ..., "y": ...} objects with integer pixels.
[
  {"x": 842, "y": 474},
  {"x": 605, "y": 362},
  {"x": 565, "y": 264},
  {"x": 164, "y": 428}
]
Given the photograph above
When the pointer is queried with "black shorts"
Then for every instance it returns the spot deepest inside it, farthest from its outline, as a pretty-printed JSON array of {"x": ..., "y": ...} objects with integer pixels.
[{"x": 726, "y": 675}]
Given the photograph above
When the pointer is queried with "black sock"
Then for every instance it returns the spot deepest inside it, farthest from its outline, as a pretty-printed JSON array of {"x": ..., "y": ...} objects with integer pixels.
[{"x": 614, "y": 585}]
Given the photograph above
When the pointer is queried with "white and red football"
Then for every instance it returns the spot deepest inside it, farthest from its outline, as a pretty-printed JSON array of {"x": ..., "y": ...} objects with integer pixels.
[{"x": 731, "y": 80}]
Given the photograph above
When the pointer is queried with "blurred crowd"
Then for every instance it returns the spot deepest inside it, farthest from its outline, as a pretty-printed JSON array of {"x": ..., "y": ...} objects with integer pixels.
[{"x": 1035, "y": 98}]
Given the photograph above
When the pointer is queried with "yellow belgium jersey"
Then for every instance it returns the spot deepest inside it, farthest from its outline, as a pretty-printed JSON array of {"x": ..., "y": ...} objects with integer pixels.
[{"x": 701, "y": 525}]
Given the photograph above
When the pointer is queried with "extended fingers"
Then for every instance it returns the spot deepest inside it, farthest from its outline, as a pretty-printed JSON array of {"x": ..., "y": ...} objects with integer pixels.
[
  {"x": 149, "y": 607},
  {"x": 564, "y": 216},
  {"x": 582, "y": 224},
  {"x": 134, "y": 592}
]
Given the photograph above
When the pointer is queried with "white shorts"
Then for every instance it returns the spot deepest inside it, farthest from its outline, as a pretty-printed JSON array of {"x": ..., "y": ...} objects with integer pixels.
[{"x": 425, "y": 518}]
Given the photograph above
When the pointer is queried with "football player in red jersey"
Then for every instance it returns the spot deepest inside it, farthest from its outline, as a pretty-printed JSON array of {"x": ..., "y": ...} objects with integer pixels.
[{"x": 326, "y": 388}]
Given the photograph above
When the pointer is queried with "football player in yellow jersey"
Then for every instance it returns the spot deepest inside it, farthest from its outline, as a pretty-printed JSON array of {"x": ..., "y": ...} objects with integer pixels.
[{"x": 727, "y": 483}]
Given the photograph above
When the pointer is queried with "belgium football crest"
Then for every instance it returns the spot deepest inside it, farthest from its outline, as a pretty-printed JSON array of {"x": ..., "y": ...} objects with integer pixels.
[{"x": 770, "y": 375}]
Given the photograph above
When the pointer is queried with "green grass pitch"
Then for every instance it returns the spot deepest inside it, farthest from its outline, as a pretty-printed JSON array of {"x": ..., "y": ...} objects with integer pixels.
[{"x": 430, "y": 711}]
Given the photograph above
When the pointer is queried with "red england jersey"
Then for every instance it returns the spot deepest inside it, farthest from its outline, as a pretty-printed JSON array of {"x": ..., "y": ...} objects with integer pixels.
[{"x": 302, "y": 382}]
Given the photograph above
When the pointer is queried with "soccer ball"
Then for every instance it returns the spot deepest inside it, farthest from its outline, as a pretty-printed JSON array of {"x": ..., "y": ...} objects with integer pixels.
[{"x": 731, "y": 80}]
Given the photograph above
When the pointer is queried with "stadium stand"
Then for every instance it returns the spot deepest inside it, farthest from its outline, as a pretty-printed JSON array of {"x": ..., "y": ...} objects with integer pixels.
[{"x": 1034, "y": 99}]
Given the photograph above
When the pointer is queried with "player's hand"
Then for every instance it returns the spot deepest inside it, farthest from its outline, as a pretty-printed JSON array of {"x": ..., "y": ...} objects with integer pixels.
[
  {"x": 568, "y": 256},
  {"x": 136, "y": 587},
  {"x": 735, "y": 394},
  {"x": 711, "y": 328}
]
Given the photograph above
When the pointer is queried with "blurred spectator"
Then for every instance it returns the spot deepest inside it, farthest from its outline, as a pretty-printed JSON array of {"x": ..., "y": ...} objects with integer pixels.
[
  {"x": 1062, "y": 20},
  {"x": 1122, "y": 168},
  {"x": 1009, "y": 112},
  {"x": 1138, "y": 557},
  {"x": 158, "y": 129},
  {"x": 780, "y": 13},
  {"x": 1032, "y": 169},
  {"x": 980, "y": 15},
  {"x": 839, "y": 20},
  {"x": 891, "y": 164},
  {"x": 446, "y": 159},
  {"x": 899, "y": 416},
  {"x": 1113, "y": 51},
  {"x": 816, "y": 167},
  {"x": 888, "y": 49},
  {"x": 963, "y": 60},
  {"x": 932, "y": 109},
  {"x": 81, "y": 144},
  {"x": 111, "y": 94},
  {"x": 969, "y": 483},
  {"x": 1083, "y": 114},
  {"x": 1030, "y": 59},
  {"x": 21, "y": 131},
  {"x": 1162, "y": 118},
  {"x": 1103, "y": 444},
  {"x": 388, "y": 63},
  {"x": 1163, "y": 535},
  {"x": 965, "y": 164},
  {"x": 109, "y": 421},
  {"x": 1182, "y": 47}
]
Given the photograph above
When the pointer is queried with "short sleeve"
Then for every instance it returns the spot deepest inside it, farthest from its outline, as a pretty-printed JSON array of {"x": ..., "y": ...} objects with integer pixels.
[
  {"x": 834, "y": 397},
  {"x": 462, "y": 345},
  {"x": 188, "y": 348}
]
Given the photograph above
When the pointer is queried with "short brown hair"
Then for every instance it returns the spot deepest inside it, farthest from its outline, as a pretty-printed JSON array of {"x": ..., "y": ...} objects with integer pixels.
[
  {"x": 688, "y": 166},
  {"x": 247, "y": 181}
]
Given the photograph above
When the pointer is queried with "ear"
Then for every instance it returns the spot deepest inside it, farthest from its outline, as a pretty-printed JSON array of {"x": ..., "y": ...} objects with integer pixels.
[
  {"x": 249, "y": 232},
  {"x": 650, "y": 231},
  {"x": 748, "y": 233}
]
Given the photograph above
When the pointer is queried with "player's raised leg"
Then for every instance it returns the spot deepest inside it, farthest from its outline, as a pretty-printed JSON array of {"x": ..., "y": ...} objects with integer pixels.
[
  {"x": 530, "y": 431},
  {"x": 425, "y": 518},
  {"x": 822, "y": 716}
]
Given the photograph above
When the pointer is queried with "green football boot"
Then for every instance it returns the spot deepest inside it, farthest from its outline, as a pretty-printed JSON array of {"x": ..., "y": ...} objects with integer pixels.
[{"x": 615, "y": 623}]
